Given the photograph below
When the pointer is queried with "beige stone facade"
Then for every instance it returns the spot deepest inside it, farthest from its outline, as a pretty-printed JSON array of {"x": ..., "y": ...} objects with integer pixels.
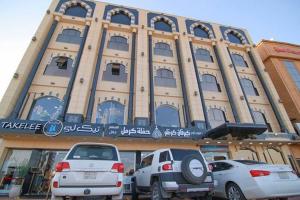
[{"x": 272, "y": 148}]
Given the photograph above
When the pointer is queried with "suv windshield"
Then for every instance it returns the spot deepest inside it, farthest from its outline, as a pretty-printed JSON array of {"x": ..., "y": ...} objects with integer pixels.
[
  {"x": 93, "y": 152},
  {"x": 179, "y": 154},
  {"x": 249, "y": 162}
]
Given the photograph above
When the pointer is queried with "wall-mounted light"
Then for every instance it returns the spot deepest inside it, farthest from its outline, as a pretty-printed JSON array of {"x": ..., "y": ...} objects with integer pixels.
[
  {"x": 81, "y": 80},
  {"x": 96, "y": 19},
  {"x": 143, "y": 26},
  {"x": 90, "y": 47},
  {"x": 143, "y": 53},
  {"x": 189, "y": 59},
  {"x": 230, "y": 65},
  {"x": 242, "y": 97},
  {"x": 48, "y": 12},
  {"x": 142, "y": 89},
  {"x": 34, "y": 39},
  {"x": 195, "y": 93}
]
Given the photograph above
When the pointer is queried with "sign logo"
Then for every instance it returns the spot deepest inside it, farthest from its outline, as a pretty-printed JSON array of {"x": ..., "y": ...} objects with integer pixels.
[
  {"x": 53, "y": 128},
  {"x": 157, "y": 133}
]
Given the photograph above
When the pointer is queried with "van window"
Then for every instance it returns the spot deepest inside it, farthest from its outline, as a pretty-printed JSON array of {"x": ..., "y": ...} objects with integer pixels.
[
  {"x": 164, "y": 156},
  {"x": 147, "y": 161},
  {"x": 93, "y": 152}
]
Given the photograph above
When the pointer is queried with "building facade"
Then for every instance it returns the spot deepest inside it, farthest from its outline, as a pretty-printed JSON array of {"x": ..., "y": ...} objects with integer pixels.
[
  {"x": 142, "y": 80},
  {"x": 282, "y": 61}
]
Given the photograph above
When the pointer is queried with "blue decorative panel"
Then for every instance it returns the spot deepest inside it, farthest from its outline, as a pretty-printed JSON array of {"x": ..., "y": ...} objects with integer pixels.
[
  {"x": 189, "y": 22},
  {"x": 133, "y": 11},
  {"x": 91, "y": 4},
  {"x": 224, "y": 28},
  {"x": 152, "y": 15}
]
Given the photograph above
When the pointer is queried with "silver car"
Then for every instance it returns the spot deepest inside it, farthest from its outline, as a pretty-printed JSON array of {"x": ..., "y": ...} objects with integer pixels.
[{"x": 247, "y": 179}]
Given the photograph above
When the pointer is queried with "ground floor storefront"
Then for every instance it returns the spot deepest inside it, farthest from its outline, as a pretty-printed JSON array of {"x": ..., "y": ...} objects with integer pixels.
[{"x": 41, "y": 153}]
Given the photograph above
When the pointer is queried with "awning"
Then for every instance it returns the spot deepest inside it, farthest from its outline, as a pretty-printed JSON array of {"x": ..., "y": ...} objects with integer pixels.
[{"x": 236, "y": 130}]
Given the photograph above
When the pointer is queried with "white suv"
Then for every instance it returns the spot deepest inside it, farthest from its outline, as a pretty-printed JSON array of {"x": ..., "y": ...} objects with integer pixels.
[
  {"x": 168, "y": 173},
  {"x": 89, "y": 170}
]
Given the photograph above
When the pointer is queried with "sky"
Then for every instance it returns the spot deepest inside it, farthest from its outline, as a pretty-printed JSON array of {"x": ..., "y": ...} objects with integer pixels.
[{"x": 264, "y": 19}]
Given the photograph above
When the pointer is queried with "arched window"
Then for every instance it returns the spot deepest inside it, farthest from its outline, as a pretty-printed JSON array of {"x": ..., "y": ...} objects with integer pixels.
[
  {"x": 199, "y": 32},
  {"x": 248, "y": 87},
  {"x": 121, "y": 18},
  {"x": 110, "y": 112},
  {"x": 260, "y": 118},
  {"x": 162, "y": 25},
  {"x": 203, "y": 55},
  {"x": 216, "y": 117},
  {"x": 76, "y": 11},
  {"x": 238, "y": 60},
  {"x": 69, "y": 36},
  {"x": 167, "y": 116},
  {"x": 118, "y": 43},
  {"x": 209, "y": 83},
  {"x": 45, "y": 109},
  {"x": 59, "y": 66},
  {"x": 233, "y": 38},
  {"x": 163, "y": 49},
  {"x": 115, "y": 72},
  {"x": 165, "y": 78}
]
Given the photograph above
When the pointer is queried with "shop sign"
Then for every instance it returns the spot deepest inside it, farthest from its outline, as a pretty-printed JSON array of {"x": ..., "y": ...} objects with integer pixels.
[
  {"x": 276, "y": 136},
  {"x": 286, "y": 50},
  {"x": 154, "y": 132},
  {"x": 214, "y": 148},
  {"x": 55, "y": 127}
]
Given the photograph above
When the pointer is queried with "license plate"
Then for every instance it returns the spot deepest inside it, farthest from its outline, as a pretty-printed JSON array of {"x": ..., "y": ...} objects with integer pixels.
[
  {"x": 90, "y": 175},
  {"x": 283, "y": 175}
]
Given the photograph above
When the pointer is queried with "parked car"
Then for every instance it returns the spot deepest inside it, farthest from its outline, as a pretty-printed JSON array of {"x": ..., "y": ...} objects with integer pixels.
[
  {"x": 89, "y": 170},
  {"x": 247, "y": 179},
  {"x": 168, "y": 173}
]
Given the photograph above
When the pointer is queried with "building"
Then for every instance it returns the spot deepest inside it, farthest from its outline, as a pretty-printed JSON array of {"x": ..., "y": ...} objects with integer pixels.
[
  {"x": 141, "y": 80},
  {"x": 282, "y": 61}
]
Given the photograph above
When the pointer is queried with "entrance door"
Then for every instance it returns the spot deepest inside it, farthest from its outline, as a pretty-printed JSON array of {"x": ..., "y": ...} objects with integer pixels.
[
  {"x": 129, "y": 160},
  {"x": 42, "y": 165},
  {"x": 14, "y": 159}
]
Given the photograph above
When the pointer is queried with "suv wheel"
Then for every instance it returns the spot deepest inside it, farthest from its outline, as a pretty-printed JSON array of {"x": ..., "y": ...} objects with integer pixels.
[
  {"x": 156, "y": 191},
  {"x": 234, "y": 192}
]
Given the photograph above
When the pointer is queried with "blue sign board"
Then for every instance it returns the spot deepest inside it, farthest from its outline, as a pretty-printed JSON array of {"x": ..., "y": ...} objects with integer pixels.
[{"x": 55, "y": 128}]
